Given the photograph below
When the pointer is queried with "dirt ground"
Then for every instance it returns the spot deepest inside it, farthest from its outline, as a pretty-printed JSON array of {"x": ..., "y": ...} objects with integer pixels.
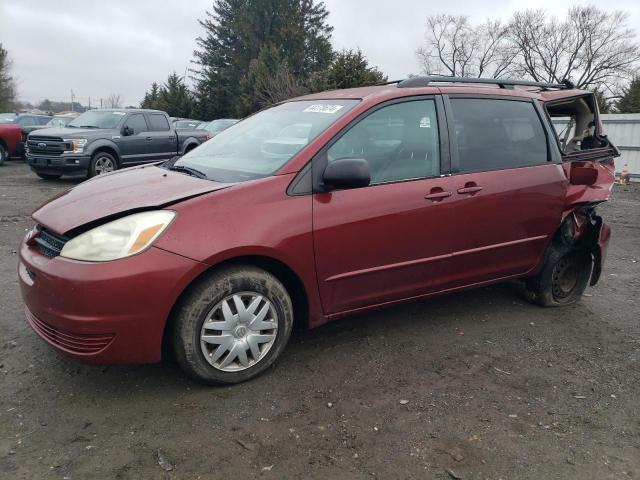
[{"x": 476, "y": 385}]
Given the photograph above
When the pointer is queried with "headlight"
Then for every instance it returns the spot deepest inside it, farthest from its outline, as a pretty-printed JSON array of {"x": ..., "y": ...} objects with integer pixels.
[
  {"x": 118, "y": 239},
  {"x": 76, "y": 145}
]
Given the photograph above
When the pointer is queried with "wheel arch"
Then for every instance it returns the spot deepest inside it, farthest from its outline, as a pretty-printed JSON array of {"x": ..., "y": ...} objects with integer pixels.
[
  {"x": 110, "y": 149},
  {"x": 283, "y": 272},
  {"x": 189, "y": 145}
]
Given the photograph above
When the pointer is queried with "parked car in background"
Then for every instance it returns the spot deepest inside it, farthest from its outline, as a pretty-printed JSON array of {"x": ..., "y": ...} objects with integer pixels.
[
  {"x": 10, "y": 140},
  {"x": 7, "y": 117},
  {"x": 186, "y": 124},
  {"x": 101, "y": 141},
  {"x": 362, "y": 198},
  {"x": 216, "y": 126},
  {"x": 25, "y": 119}
]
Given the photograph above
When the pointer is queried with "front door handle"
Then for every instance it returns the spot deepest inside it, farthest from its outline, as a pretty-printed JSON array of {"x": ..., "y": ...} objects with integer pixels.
[
  {"x": 437, "y": 194},
  {"x": 149, "y": 138},
  {"x": 470, "y": 187}
]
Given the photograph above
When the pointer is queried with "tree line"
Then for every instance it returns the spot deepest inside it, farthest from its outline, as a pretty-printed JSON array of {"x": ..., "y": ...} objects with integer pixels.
[{"x": 254, "y": 53}]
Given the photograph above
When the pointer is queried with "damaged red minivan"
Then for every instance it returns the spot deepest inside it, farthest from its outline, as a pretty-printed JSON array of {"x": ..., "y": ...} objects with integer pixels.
[{"x": 319, "y": 207}]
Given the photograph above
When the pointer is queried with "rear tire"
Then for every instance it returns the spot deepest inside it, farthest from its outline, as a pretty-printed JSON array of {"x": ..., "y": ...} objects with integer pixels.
[
  {"x": 563, "y": 278},
  {"x": 252, "y": 314},
  {"x": 48, "y": 176},
  {"x": 102, "y": 162}
]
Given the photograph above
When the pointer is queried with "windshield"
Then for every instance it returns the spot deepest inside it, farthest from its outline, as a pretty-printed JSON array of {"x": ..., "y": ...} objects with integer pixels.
[
  {"x": 7, "y": 117},
  {"x": 218, "y": 125},
  {"x": 186, "y": 124},
  {"x": 258, "y": 146},
  {"x": 59, "y": 121},
  {"x": 97, "y": 119}
]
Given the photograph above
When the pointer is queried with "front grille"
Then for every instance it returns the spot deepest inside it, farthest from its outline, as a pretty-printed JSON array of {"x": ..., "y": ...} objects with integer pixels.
[
  {"x": 73, "y": 342},
  {"x": 49, "y": 243},
  {"x": 46, "y": 145}
]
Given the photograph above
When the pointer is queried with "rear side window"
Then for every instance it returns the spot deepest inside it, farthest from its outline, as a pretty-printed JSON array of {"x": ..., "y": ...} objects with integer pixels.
[
  {"x": 497, "y": 134},
  {"x": 399, "y": 141},
  {"x": 158, "y": 122},
  {"x": 43, "y": 120}
]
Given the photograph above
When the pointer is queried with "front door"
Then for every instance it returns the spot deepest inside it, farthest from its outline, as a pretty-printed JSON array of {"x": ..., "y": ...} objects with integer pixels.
[
  {"x": 133, "y": 145},
  {"x": 390, "y": 240},
  {"x": 508, "y": 189}
]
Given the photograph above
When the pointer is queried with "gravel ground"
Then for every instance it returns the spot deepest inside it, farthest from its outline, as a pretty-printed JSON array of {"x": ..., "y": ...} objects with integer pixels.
[{"x": 473, "y": 385}]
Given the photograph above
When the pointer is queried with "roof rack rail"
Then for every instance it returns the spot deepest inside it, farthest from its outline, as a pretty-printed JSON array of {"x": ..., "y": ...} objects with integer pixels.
[{"x": 415, "y": 82}]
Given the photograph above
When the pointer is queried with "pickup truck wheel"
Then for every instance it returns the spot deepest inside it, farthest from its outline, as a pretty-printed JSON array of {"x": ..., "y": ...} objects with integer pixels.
[
  {"x": 48, "y": 176},
  {"x": 232, "y": 325},
  {"x": 102, "y": 162},
  {"x": 563, "y": 278},
  {"x": 4, "y": 154}
]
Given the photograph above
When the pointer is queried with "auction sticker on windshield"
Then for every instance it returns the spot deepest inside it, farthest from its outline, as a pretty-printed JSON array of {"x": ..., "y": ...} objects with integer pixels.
[{"x": 321, "y": 108}]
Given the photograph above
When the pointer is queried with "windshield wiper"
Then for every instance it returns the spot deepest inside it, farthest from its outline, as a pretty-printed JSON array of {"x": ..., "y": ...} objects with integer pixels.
[
  {"x": 188, "y": 170},
  {"x": 89, "y": 126}
]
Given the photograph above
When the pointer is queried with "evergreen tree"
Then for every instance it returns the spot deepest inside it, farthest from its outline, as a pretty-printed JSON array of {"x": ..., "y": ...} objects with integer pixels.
[
  {"x": 604, "y": 105},
  {"x": 151, "y": 97},
  {"x": 7, "y": 84},
  {"x": 172, "y": 97},
  {"x": 238, "y": 31},
  {"x": 630, "y": 101},
  {"x": 175, "y": 98},
  {"x": 349, "y": 69}
]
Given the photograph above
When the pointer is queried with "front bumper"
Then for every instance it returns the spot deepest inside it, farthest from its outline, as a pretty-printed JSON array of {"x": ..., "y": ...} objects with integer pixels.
[
  {"x": 58, "y": 164},
  {"x": 104, "y": 313}
]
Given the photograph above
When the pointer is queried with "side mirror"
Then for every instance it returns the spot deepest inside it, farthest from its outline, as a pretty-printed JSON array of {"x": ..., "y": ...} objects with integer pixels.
[
  {"x": 579, "y": 175},
  {"x": 347, "y": 173},
  {"x": 127, "y": 131}
]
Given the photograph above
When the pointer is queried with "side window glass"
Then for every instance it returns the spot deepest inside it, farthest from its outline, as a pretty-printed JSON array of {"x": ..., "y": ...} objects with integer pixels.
[
  {"x": 399, "y": 141},
  {"x": 497, "y": 134},
  {"x": 158, "y": 122},
  {"x": 136, "y": 123}
]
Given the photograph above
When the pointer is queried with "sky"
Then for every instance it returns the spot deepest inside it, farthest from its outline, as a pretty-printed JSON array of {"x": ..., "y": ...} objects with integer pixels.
[{"x": 100, "y": 47}]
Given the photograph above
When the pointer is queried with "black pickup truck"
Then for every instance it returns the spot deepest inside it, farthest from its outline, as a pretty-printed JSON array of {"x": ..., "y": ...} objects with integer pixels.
[{"x": 101, "y": 141}]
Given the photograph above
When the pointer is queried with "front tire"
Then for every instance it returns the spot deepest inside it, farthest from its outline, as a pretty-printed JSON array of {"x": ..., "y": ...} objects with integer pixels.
[
  {"x": 232, "y": 325},
  {"x": 563, "y": 278},
  {"x": 102, "y": 162},
  {"x": 4, "y": 153}
]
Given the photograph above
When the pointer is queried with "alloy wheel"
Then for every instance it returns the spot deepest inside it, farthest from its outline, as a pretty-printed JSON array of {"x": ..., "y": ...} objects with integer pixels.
[
  {"x": 239, "y": 331},
  {"x": 104, "y": 165}
]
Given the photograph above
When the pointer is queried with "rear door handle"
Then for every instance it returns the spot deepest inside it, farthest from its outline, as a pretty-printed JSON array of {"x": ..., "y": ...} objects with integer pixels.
[
  {"x": 149, "y": 138},
  {"x": 437, "y": 194},
  {"x": 470, "y": 189}
]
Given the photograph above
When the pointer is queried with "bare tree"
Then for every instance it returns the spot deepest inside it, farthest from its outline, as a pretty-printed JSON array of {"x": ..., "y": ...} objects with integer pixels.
[
  {"x": 114, "y": 100},
  {"x": 454, "y": 46},
  {"x": 591, "y": 47}
]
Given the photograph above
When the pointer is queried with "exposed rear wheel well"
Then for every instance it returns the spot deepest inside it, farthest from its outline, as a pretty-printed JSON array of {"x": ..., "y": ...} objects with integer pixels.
[
  {"x": 190, "y": 147},
  {"x": 278, "y": 269}
]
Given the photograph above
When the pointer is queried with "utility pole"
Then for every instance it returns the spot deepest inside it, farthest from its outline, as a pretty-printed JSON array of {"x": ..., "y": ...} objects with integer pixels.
[
  {"x": 72, "y": 96},
  {"x": 89, "y": 107}
]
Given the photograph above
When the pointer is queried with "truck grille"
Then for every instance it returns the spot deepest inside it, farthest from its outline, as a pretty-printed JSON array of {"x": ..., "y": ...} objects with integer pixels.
[
  {"x": 46, "y": 145},
  {"x": 50, "y": 244}
]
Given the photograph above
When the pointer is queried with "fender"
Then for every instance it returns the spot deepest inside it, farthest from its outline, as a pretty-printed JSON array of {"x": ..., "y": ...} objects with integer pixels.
[
  {"x": 187, "y": 143},
  {"x": 103, "y": 142}
]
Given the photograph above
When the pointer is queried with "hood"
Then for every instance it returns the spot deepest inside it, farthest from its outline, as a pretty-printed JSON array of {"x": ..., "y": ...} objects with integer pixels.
[
  {"x": 10, "y": 126},
  {"x": 73, "y": 132},
  {"x": 112, "y": 195}
]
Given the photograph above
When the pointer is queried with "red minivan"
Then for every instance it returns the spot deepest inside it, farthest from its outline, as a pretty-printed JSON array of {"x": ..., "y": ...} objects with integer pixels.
[{"x": 319, "y": 207}]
